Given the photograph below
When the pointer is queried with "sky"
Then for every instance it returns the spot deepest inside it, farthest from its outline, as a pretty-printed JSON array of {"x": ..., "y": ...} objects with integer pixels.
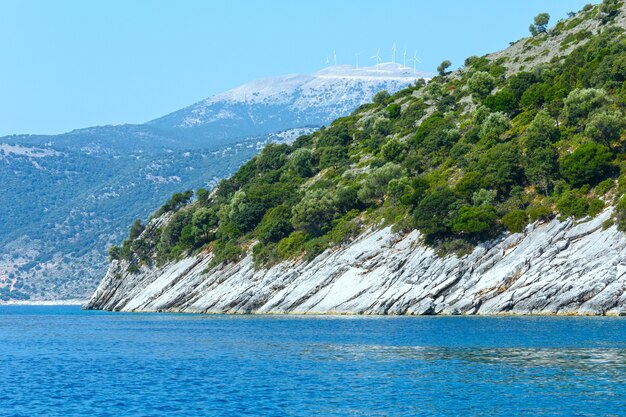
[{"x": 71, "y": 64}]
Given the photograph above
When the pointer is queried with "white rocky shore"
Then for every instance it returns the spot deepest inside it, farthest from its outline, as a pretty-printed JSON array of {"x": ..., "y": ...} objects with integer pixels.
[{"x": 553, "y": 268}]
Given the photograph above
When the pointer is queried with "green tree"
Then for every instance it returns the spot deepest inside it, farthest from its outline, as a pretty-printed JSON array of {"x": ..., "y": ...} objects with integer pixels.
[
  {"x": 475, "y": 220},
  {"x": 581, "y": 102},
  {"x": 515, "y": 221},
  {"x": 481, "y": 83},
  {"x": 302, "y": 162},
  {"x": 494, "y": 126},
  {"x": 589, "y": 164},
  {"x": 314, "y": 212},
  {"x": 436, "y": 212},
  {"x": 393, "y": 150},
  {"x": 393, "y": 110},
  {"x": 605, "y": 127},
  {"x": 608, "y": 10},
  {"x": 374, "y": 186},
  {"x": 275, "y": 225},
  {"x": 540, "y": 164},
  {"x": 381, "y": 97},
  {"x": 540, "y": 24},
  {"x": 441, "y": 69},
  {"x": 136, "y": 229},
  {"x": 204, "y": 220}
]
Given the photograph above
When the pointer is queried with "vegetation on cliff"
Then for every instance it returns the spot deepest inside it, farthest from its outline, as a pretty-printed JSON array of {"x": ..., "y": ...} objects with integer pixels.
[{"x": 472, "y": 153}]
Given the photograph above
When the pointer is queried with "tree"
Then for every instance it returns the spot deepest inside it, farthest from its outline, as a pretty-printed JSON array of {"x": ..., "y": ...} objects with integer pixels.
[
  {"x": 314, "y": 212},
  {"x": 302, "y": 162},
  {"x": 515, "y": 221},
  {"x": 275, "y": 224},
  {"x": 605, "y": 127},
  {"x": 608, "y": 10},
  {"x": 540, "y": 24},
  {"x": 436, "y": 212},
  {"x": 475, "y": 220},
  {"x": 541, "y": 163},
  {"x": 481, "y": 83},
  {"x": 589, "y": 164},
  {"x": 441, "y": 69},
  {"x": 494, "y": 126},
  {"x": 581, "y": 102},
  {"x": 136, "y": 229},
  {"x": 393, "y": 150},
  {"x": 381, "y": 97},
  {"x": 542, "y": 132},
  {"x": 499, "y": 168},
  {"x": 394, "y": 110},
  {"x": 204, "y": 220},
  {"x": 374, "y": 186}
]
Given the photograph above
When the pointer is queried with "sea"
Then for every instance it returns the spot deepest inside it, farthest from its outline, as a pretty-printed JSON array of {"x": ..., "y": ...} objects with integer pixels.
[{"x": 63, "y": 361}]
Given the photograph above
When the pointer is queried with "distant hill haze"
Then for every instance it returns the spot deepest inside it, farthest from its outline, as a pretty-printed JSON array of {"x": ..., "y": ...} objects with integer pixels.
[{"x": 72, "y": 195}]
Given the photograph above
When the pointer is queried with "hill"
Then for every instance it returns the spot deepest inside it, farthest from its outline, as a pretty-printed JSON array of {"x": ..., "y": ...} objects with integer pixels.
[
  {"x": 70, "y": 196},
  {"x": 516, "y": 149}
]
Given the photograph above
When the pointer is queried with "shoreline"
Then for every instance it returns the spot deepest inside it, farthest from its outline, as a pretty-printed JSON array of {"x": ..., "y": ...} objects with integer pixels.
[{"x": 72, "y": 302}]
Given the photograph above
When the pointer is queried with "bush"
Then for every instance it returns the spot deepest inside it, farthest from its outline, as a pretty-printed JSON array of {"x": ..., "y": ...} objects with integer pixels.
[
  {"x": 481, "y": 83},
  {"x": 540, "y": 213},
  {"x": 581, "y": 102},
  {"x": 292, "y": 245},
  {"x": 437, "y": 211},
  {"x": 494, "y": 127},
  {"x": 589, "y": 164},
  {"x": 381, "y": 97},
  {"x": 475, "y": 220},
  {"x": 393, "y": 110},
  {"x": 570, "y": 205},
  {"x": 605, "y": 127},
  {"x": 275, "y": 225},
  {"x": 515, "y": 221}
]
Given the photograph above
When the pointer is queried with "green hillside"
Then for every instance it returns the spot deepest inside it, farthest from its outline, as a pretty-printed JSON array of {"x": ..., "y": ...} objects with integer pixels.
[{"x": 525, "y": 134}]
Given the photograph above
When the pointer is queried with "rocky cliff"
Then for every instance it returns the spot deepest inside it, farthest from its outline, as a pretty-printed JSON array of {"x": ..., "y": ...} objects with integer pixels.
[{"x": 559, "y": 267}]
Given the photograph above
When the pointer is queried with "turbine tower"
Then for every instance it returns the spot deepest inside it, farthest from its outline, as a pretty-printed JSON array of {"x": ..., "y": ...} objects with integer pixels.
[
  {"x": 377, "y": 57},
  {"x": 404, "y": 59},
  {"x": 393, "y": 53},
  {"x": 415, "y": 61},
  {"x": 357, "y": 59},
  {"x": 335, "y": 57},
  {"x": 327, "y": 60}
]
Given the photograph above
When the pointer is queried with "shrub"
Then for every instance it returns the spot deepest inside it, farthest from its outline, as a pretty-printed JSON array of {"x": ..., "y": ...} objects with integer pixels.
[
  {"x": 571, "y": 205},
  {"x": 381, "y": 97},
  {"x": 436, "y": 212},
  {"x": 589, "y": 164},
  {"x": 494, "y": 127},
  {"x": 475, "y": 220},
  {"x": 515, "y": 221},
  {"x": 481, "y": 83}
]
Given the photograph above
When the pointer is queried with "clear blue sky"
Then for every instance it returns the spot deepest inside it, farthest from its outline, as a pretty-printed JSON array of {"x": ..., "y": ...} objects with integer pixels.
[{"x": 69, "y": 64}]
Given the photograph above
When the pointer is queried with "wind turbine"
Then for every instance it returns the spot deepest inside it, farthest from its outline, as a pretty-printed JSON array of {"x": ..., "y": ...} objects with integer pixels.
[
  {"x": 377, "y": 57},
  {"x": 404, "y": 59},
  {"x": 327, "y": 60},
  {"x": 415, "y": 61},
  {"x": 335, "y": 57},
  {"x": 393, "y": 53},
  {"x": 357, "y": 59}
]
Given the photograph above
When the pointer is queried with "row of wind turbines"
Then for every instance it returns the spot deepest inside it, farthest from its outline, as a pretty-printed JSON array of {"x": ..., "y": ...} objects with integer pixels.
[{"x": 414, "y": 60}]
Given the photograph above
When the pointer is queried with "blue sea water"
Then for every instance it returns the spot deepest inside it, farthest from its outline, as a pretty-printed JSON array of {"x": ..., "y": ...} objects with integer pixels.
[{"x": 61, "y": 361}]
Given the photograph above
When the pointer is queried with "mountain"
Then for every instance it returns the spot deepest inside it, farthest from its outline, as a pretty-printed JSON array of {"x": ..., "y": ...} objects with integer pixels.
[
  {"x": 68, "y": 197},
  {"x": 273, "y": 104},
  {"x": 497, "y": 188}
]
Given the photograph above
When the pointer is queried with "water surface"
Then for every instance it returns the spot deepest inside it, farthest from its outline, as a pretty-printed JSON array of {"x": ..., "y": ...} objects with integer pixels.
[{"x": 61, "y": 361}]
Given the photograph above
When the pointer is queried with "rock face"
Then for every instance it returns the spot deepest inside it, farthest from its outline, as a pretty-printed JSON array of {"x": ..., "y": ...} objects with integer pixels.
[{"x": 560, "y": 267}]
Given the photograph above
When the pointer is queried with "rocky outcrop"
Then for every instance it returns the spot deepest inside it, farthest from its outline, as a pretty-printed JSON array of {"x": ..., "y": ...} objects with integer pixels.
[{"x": 560, "y": 267}]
